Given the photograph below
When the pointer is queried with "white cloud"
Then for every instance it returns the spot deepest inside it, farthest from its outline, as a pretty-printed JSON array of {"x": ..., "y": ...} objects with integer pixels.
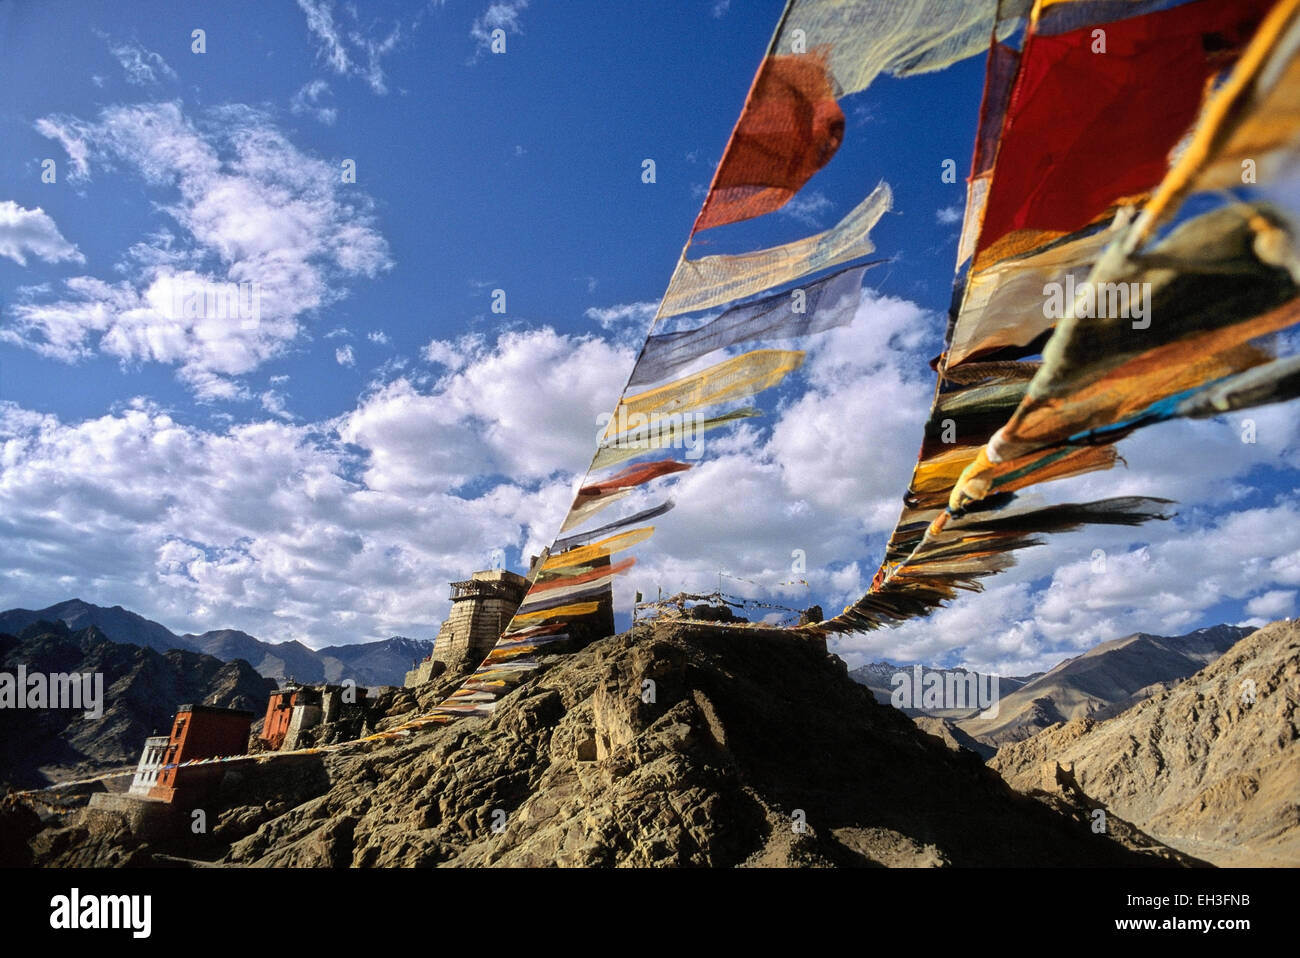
[
  {"x": 349, "y": 51},
  {"x": 453, "y": 356},
  {"x": 378, "y": 336},
  {"x": 500, "y": 15},
  {"x": 509, "y": 409},
  {"x": 25, "y": 231},
  {"x": 822, "y": 474},
  {"x": 830, "y": 465},
  {"x": 273, "y": 402},
  {"x": 948, "y": 215},
  {"x": 327, "y": 532},
  {"x": 809, "y": 208},
  {"x": 251, "y": 209},
  {"x": 611, "y": 318},
  {"x": 720, "y": 8},
  {"x": 334, "y": 531},
  {"x": 344, "y": 356},
  {"x": 73, "y": 143},
  {"x": 142, "y": 67},
  {"x": 1161, "y": 579},
  {"x": 320, "y": 21},
  {"x": 307, "y": 100},
  {"x": 1274, "y": 604}
]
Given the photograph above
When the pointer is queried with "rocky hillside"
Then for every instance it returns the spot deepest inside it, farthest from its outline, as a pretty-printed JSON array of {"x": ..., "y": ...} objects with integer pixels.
[
  {"x": 368, "y": 664},
  {"x": 141, "y": 689},
  {"x": 1211, "y": 766},
  {"x": 746, "y": 749},
  {"x": 1103, "y": 681}
]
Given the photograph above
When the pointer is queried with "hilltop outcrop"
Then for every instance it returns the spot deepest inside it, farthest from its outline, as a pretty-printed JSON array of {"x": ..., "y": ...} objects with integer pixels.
[{"x": 685, "y": 746}]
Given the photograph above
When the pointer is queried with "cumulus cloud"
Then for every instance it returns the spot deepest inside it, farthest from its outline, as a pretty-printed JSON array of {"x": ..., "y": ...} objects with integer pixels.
[
  {"x": 344, "y": 356},
  {"x": 948, "y": 215},
  {"x": 1273, "y": 604},
  {"x": 332, "y": 531},
  {"x": 814, "y": 483},
  {"x": 532, "y": 419},
  {"x": 345, "y": 529},
  {"x": 24, "y": 231},
  {"x": 261, "y": 225},
  {"x": 829, "y": 463},
  {"x": 443, "y": 353},
  {"x": 273, "y": 402},
  {"x": 1094, "y": 585}
]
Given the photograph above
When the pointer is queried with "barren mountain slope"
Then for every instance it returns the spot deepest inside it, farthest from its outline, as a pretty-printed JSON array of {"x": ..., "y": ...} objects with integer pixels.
[{"x": 1210, "y": 766}]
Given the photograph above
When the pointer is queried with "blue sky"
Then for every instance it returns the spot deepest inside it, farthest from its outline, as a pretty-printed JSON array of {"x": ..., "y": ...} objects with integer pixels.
[{"x": 322, "y": 474}]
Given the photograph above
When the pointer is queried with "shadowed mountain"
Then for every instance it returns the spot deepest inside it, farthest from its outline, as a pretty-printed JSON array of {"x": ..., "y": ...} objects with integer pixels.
[
  {"x": 276, "y": 660},
  {"x": 119, "y": 624},
  {"x": 374, "y": 663},
  {"x": 141, "y": 689},
  {"x": 383, "y": 662}
]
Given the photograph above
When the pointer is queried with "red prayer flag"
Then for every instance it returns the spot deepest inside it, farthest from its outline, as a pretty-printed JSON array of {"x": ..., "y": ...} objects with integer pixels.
[{"x": 789, "y": 129}]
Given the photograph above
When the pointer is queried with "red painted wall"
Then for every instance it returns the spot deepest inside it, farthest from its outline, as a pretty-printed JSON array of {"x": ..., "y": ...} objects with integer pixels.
[
  {"x": 195, "y": 734},
  {"x": 278, "y": 713}
]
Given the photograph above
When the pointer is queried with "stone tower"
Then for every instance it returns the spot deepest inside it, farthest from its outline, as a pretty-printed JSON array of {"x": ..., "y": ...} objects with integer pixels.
[{"x": 481, "y": 607}]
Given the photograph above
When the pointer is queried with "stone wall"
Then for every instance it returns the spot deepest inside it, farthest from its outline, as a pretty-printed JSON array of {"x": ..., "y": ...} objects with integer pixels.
[
  {"x": 426, "y": 671},
  {"x": 304, "y": 717},
  {"x": 147, "y": 818}
]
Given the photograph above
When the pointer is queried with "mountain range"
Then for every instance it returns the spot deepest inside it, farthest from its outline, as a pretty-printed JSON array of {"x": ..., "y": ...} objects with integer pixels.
[
  {"x": 384, "y": 662},
  {"x": 141, "y": 688},
  {"x": 1104, "y": 681},
  {"x": 755, "y": 749},
  {"x": 878, "y": 676},
  {"x": 1209, "y": 766}
]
